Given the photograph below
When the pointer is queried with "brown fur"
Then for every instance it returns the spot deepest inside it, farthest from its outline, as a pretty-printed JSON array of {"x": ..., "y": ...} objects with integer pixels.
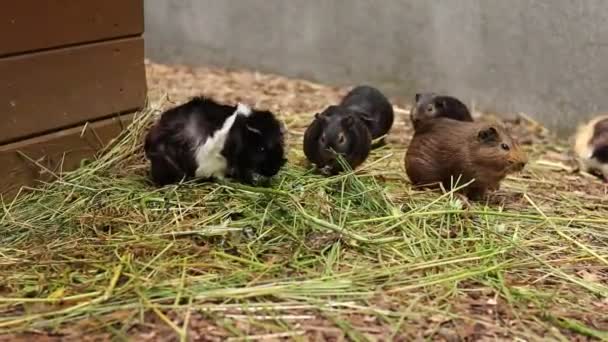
[
  {"x": 600, "y": 133},
  {"x": 446, "y": 149}
]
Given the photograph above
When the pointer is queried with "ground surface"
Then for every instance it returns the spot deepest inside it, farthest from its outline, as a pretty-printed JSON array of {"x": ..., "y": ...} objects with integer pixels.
[{"x": 101, "y": 254}]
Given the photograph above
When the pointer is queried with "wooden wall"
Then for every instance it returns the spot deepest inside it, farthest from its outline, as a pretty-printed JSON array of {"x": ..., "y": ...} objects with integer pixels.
[{"x": 65, "y": 65}]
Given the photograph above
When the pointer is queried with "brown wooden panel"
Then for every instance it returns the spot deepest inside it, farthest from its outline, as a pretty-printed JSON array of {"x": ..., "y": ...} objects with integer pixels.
[
  {"x": 58, "y": 151},
  {"x": 27, "y": 25},
  {"x": 60, "y": 88}
]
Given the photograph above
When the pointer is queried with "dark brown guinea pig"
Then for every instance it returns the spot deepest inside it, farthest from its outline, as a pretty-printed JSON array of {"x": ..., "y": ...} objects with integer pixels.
[
  {"x": 430, "y": 106},
  {"x": 336, "y": 131},
  {"x": 372, "y": 107},
  {"x": 448, "y": 149},
  {"x": 591, "y": 146}
]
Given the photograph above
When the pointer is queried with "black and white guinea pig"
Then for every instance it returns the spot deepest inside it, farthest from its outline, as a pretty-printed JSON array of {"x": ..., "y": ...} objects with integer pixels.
[
  {"x": 591, "y": 146},
  {"x": 373, "y": 108},
  {"x": 336, "y": 131},
  {"x": 429, "y": 106},
  {"x": 206, "y": 140}
]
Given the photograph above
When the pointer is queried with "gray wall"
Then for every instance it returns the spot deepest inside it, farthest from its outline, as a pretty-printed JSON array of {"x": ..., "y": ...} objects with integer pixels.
[{"x": 547, "y": 58}]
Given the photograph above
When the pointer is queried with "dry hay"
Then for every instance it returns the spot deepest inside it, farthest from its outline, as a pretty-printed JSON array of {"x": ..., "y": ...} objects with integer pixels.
[{"x": 102, "y": 254}]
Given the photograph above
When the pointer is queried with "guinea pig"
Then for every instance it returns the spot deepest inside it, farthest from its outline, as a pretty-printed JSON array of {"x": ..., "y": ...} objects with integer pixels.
[
  {"x": 591, "y": 146},
  {"x": 336, "y": 131},
  {"x": 448, "y": 149},
  {"x": 372, "y": 107},
  {"x": 206, "y": 140},
  {"x": 429, "y": 106}
]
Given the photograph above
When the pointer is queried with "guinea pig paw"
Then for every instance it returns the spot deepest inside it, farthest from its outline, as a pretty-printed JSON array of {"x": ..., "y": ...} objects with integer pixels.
[
  {"x": 256, "y": 177},
  {"x": 326, "y": 170},
  {"x": 466, "y": 204},
  {"x": 260, "y": 180}
]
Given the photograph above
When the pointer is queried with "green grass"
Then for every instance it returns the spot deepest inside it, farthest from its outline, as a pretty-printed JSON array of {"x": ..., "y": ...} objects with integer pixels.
[{"x": 361, "y": 254}]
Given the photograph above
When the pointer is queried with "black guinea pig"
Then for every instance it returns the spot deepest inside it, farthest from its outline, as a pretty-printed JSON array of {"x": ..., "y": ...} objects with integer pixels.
[
  {"x": 373, "y": 108},
  {"x": 429, "y": 106},
  {"x": 336, "y": 131},
  {"x": 206, "y": 140}
]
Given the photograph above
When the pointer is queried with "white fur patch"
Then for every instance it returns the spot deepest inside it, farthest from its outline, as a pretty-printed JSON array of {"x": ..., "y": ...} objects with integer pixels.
[
  {"x": 209, "y": 158},
  {"x": 254, "y": 130},
  {"x": 594, "y": 164},
  {"x": 243, "y": 109},
  {"x": 584, "y": 149},
  {"x": 589, "y": 152}
]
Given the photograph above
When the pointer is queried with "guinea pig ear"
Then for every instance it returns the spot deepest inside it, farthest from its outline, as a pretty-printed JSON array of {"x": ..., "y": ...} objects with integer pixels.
[
  {"x": 488, "y": 135},
  {"x": 366, "y": 118},
  {"x": 417, "y": 97},
  {"x": 321, "y": 117}
]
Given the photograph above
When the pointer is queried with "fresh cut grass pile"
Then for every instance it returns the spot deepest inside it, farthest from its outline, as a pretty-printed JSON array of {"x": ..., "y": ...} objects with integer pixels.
[{"x": 102, "y": 254}]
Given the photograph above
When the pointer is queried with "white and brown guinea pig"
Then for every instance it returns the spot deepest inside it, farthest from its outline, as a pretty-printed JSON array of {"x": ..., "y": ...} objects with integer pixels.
[{"x": 591, "y": 146}]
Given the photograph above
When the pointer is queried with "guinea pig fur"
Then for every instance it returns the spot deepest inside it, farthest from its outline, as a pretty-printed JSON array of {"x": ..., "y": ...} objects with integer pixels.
[
  {"x": 372, "y": 107},
  {"x": 206, "y": 140},
  {"x": 447, "y": 149},
  {"x": 334, "y": 132},
  {"x": 430, "y": 106},
  {"x": 591, "y": 146}
]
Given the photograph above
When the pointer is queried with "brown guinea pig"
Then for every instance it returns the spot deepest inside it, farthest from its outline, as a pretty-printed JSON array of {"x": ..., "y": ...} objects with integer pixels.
[
  {"x": 448, "y": 149},
  {"x": 430, "y": 106},
  {"x": 591, "y": 146},
  {"x": 336, "y": 131}
]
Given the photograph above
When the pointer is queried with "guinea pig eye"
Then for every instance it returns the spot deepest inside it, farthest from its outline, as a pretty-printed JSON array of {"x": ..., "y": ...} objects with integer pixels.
[
  {"x": 505, "y": 147},
  {"x": 430, "y": 108},
  {"x": 341, "y": 139},
  {"x": 322, "y": 139}
]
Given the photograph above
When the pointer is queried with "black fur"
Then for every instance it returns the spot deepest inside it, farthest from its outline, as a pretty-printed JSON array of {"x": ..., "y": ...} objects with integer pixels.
[
  {"x": 600, "y": 130},
  {"x": 600, "y": 133},
  {"x": 430, "y": 105},
  {"x": 599, "y": 141},
  {"x": 373, "y": 108},
  {"x": 249, "y": 152},
  {"x": 336, "y": 131},
  {"x": 601, "y": 154},
  {"x": 254, "y": 144}
]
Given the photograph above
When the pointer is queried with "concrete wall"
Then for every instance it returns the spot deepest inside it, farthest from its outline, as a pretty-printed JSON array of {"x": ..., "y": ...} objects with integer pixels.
[{"x": 547, "y": 58}]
